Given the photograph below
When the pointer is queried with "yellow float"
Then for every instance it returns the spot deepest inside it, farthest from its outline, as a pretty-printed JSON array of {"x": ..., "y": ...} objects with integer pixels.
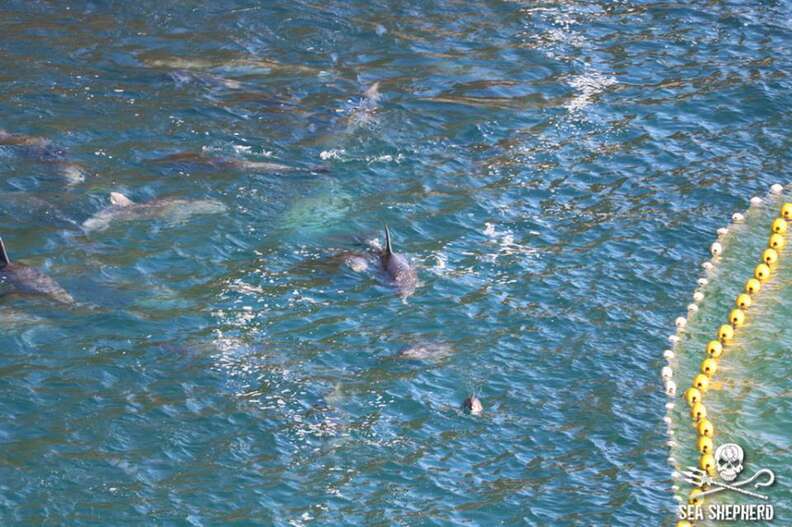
[{"x": 702, "y": 381}]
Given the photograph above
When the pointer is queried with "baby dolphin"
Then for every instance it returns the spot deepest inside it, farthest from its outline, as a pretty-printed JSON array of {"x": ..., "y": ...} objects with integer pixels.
[
  {"x": 124, "y": 209},
  {"x": 473, "y": 406},
  {"x": 398, "y": 268},
  {"x": 21, "y": 279}
]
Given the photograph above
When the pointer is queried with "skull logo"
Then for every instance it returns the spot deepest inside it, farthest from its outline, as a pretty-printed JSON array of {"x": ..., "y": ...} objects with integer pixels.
[{"x": 729, "y": 461}]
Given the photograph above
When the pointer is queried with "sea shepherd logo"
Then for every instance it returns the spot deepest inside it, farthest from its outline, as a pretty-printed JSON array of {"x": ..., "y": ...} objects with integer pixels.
[{"x": 729, "y": 463}]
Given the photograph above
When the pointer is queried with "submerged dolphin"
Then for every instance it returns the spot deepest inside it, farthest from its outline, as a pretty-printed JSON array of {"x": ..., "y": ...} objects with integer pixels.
[
  {"x": 243, "y": 64},
  {"x": 360, "y": 115},
  {"x": 427, "y": 351},
  {"x": 40, "y": 145},
  {"x": 230, "y": 163},
  {"x": 21, "y": 279},
  {"x": 398, "y": 268},
  {"x": 42, "y": 150},
  {"x": 182, "y": 77},
  {"x": 15, "y": 320},
  {"x": 124, "y": 209},
  {"x": 29, "y": 209}
]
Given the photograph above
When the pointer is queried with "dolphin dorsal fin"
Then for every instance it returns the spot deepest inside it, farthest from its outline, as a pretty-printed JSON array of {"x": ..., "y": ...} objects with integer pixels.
[
  {"x": 388, "y": 247},
  {"x": 4, "y": 259},
  {"x": 119, "y": 200},
  {"x": 373, "y": 93}
]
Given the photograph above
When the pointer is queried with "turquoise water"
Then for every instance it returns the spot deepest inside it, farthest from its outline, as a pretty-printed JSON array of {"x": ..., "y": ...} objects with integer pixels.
[{"x": 556, "y": 171}]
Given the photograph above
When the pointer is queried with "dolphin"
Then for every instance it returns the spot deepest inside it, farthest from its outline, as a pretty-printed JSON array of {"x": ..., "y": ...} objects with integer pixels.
[
  {"x": 372, "y": 94},
  {"x": 242, "y": 64},
  {"x": 317, "y": 211},
  {"x": 21, "y": 279},
  {"x": 15, "y": 320},
  {"x": 360, "y": 115},
  {"x": 44, "y": 151},
  {"x": 28, "y": 208},
  {"x": 473, "y": 405},
  {"x": 398, "y": 268},
  {"x": 182, "y": 77},
  {"x": 230, "y": 163},
  {"x": 124, "y": 209},
  {"x": 427, "y": 351},
  {"x": 364, "y": 111},
  {"x": 40, "y": 144}
]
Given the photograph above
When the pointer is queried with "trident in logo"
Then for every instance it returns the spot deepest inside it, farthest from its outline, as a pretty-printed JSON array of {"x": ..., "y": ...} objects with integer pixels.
[{"x": 729, "y": 459}]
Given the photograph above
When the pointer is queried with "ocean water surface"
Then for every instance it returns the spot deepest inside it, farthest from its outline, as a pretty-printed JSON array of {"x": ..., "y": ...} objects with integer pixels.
[{"x": 556, "y": 171}]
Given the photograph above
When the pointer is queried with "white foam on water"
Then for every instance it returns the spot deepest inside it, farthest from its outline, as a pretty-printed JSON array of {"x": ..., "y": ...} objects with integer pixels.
[
  {"x": 332, "y": 154},
  {"x": 588, "y": 86},
  {"x": 506, "y": 244}
]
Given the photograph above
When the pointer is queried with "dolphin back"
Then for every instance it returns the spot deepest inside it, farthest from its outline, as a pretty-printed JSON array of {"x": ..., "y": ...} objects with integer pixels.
[
  {"x": 398, "y": 268},
  {"x": 32, "y": 281}
]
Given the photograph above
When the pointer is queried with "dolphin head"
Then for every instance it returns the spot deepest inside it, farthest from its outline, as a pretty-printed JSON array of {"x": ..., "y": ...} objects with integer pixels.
[
  {"x": 119, "y": 200},
  {"x": 473, "y": 405},
  {"x": 4, "y": 260}
]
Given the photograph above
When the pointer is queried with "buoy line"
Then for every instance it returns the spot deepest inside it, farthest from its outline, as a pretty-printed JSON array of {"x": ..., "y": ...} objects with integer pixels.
[{"x": 694, "y": 395}]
